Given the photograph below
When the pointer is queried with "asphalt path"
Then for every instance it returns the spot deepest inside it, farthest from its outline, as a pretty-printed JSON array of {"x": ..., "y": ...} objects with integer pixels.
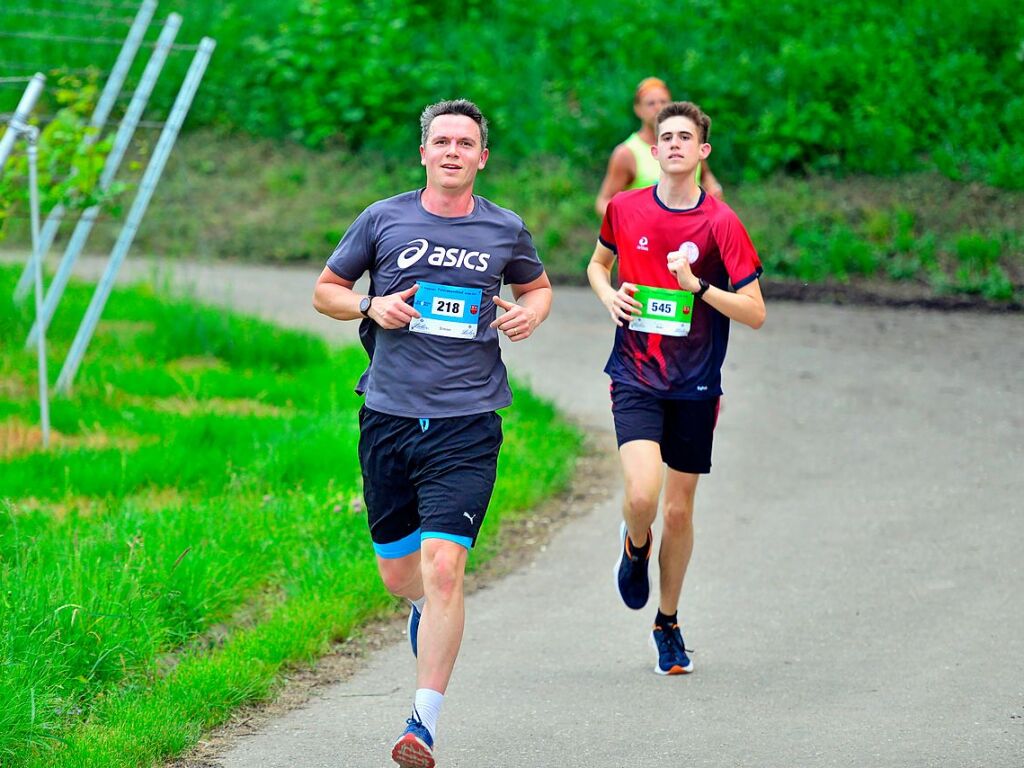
[{"x": 855, "y": 596}]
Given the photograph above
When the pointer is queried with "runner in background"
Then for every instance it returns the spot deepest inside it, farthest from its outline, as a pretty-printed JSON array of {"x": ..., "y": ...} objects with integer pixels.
[{"x": 632, "y": 165}]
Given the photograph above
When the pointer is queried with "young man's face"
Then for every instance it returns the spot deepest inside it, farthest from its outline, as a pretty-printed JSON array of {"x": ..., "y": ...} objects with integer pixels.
[
  {"x": 679, "y": 148},
  {"x": 453, "y": 153},
  {"x": 651, "y": 103}
]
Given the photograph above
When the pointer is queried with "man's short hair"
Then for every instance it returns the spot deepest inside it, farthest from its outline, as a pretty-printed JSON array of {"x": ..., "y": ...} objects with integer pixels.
[
  {"x": 453, "y": 107},
  {"x": 685, "y": 109}
]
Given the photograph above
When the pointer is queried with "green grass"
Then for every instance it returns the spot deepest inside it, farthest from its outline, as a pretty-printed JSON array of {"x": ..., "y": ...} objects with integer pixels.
[
  {"x": 948, "y": 237},
  {"x": 239, "y": 198},
  {"x": 195, "y": 527},
  {"x": 255, "y": 200}
]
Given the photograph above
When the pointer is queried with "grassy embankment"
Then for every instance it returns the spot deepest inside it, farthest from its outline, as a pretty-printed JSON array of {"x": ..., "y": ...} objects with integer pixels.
[
  {"x": 255, "y": 200},
  {"x": 195, "y": 528}
]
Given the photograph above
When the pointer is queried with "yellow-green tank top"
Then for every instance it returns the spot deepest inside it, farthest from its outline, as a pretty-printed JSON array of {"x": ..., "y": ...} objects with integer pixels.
[{"x": 647, "y": 168}]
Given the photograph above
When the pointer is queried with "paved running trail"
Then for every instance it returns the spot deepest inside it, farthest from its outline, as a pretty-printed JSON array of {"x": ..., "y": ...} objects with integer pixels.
[{"x": 856, "y": 589}]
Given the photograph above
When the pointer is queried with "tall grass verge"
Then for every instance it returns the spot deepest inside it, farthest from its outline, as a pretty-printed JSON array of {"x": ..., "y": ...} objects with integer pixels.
[{"x": 196, "y": 527}]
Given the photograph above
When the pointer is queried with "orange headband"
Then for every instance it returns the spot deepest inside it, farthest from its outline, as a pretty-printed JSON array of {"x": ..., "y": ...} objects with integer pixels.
[{"x": 647, "y": 84}]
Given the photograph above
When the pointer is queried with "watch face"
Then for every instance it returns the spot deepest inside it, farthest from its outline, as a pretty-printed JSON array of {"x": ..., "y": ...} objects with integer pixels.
[{"x": 364, "y": 305}]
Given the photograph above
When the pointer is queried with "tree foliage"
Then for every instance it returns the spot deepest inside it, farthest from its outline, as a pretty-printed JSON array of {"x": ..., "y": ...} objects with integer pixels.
[
  {"x": 845, "y": 87},
  {"x": 795, "y": 86}
]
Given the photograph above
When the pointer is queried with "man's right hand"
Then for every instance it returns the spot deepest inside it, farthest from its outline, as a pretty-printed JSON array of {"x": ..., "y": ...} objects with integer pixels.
[
  {"x": 621, "y": 305},
  {"x": 393, "y": 311}
]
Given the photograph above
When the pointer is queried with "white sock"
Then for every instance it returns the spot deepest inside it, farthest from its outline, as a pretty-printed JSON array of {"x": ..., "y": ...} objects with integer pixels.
[
  {"x": 419, "y": 603},
  {"x": 427, "y": 707}
]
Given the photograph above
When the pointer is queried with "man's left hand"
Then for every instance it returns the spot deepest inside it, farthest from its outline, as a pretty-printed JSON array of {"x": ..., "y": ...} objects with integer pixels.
[{"x": 517, "y": 323}]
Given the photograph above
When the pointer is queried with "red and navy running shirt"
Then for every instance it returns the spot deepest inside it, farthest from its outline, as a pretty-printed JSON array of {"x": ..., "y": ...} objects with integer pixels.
[{"x": 641, "y": 230}]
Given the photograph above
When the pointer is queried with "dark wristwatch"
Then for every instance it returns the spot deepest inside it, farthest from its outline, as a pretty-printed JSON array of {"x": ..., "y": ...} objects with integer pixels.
[
  {"x": 704, "y": 285},
  {"x": 364, "y": 305}
]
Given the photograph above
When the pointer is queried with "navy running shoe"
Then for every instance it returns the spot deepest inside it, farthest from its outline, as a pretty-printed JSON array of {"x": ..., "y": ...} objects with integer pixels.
[
  {"x": 672, "y": 657},
  {"x": 415, "y": 748},
  {"x": 631, "y": 572},
  {"x": 413, "y": 628}
]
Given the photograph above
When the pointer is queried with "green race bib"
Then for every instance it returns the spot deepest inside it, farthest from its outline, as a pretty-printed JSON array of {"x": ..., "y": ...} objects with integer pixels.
[{"x": 663, "y": 311}]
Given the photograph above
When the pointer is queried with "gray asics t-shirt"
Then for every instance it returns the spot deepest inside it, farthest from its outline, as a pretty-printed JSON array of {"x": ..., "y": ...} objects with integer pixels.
[{"x": 423, "y": 375}]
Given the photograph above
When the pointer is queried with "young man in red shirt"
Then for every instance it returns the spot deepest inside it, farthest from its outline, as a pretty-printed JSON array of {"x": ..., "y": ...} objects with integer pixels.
[
  {"x": 631, "y": 164},
  {"x": 687, "y": 267}
]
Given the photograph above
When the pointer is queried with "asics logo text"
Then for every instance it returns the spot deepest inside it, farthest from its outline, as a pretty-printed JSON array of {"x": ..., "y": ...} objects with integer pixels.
[{"x": 441, "y": 257}]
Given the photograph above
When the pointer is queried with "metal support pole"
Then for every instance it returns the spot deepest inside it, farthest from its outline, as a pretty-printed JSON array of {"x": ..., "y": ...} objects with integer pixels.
[
  {"x": 123, "y": 65},
  {"x": 19, "y": 127},
  {"x": 138, "y": 210},
  {"x": 100, "y": 114},
  {"x": 19, "y": 123},
  {"x": 32, "y": 137},
  {"x": 121, "y": 144}
]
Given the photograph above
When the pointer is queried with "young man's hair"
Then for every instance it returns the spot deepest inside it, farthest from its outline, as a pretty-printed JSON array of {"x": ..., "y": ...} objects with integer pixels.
[
  {"x": 647, "y": 84},
  {"x": 685, "y": 109},
  {"x": 453, "y": 107}
]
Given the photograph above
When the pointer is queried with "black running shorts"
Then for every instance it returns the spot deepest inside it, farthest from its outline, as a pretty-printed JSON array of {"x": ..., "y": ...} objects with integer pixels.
[
  {"x": 683, "y": 428},
  {"x": 426, "y": 478}
]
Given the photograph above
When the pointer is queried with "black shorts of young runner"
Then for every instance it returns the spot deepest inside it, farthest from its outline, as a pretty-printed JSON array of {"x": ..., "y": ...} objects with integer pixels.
[
  {"x": 683, "y": 428},
  {"x": 426, "y": 478}
]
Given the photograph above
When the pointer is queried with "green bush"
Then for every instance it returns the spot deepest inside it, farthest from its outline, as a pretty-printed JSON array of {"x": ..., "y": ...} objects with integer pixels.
[
  {"x": 847, "y": 87},
  {"x": 68, "y": 165},
  {"x": 978, "y": 269}
]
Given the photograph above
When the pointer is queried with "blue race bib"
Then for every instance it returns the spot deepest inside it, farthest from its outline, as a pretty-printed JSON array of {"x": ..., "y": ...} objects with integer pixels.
[{"x": 446, "y": 310}]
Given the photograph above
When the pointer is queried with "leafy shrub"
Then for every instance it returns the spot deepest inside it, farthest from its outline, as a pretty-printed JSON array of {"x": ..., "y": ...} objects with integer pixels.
[
  {"x": 978, "y": 269},
  {"x": 847, "y": 87},
  {"x": 69, "y": 167}
]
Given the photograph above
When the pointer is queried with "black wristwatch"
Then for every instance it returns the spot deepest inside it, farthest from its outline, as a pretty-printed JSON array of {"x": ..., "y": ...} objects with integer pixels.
[
  {"x": 704, "y": 285},
  {"x": 364, "y": 305}
]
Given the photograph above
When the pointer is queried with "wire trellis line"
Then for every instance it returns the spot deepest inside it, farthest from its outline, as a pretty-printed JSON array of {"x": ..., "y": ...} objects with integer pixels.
[
  {"x": 100, "y": 219},
  {"x": 34, "y": 13},
  {"x": 50, "y": 68},
  {"x": 87, "y": 40},
  {"x": 47, "y": 119},
  {"x": 103, "y": 4}
]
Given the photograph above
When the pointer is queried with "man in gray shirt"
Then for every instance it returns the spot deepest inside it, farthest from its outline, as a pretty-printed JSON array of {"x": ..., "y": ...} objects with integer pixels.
[{"x": 429, "y": 434}]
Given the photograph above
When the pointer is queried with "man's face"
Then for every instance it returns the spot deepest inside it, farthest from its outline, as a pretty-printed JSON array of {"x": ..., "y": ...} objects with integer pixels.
[
  {"x": 679, "y": 148},
  {"x": 651, "y": 103},
  {"x": 453, "y": 153}
]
